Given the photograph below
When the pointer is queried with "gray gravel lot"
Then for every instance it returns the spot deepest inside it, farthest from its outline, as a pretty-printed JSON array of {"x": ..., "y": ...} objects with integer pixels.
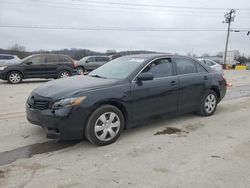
[{"x": 207, "y": 152}]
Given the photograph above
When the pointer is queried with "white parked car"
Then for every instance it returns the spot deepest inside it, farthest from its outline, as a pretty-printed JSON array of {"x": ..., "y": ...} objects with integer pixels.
[
  {"x": 7, "y": 59},
  {"x": 212, "y": 64}
]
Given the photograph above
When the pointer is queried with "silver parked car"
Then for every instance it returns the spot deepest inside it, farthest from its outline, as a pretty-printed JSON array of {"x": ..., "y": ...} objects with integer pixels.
[
  {"x": 90, "y": 63},
  {"x": 215, "y": 66},
  {"x": 7, "y": 59}
]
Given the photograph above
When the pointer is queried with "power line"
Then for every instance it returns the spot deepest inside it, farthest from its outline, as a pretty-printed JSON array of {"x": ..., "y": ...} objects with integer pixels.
[
  {"x": 160, "y": 6},
  {"x": 111, "y": 10},
  {"x": 53, "y": 4},
  {"x": 119, "y": 5},
  {"x": 113, "y": 28}
]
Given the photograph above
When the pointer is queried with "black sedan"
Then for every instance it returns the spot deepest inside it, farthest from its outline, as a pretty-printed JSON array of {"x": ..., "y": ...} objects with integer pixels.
[{"x": 124, "y": 93}]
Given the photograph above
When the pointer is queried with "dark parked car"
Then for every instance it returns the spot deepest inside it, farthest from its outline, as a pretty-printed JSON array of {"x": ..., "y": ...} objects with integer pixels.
[
  {"x": 38, "y": 66},
  {"x": 122, "y": 94},
  {"x": 90, "y": 63}
]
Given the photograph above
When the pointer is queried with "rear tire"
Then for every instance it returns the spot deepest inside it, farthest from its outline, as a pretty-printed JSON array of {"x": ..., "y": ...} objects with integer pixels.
[
  {"x": 63, "y": 74},
  {"x": 14, "y": 77},
  {"x": 104, "y": 125},
  {"x": 208, "y": 103}
]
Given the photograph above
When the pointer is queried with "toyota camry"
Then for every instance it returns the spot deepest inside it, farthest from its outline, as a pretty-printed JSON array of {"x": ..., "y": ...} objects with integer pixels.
[{"x": 124, "y": 93}]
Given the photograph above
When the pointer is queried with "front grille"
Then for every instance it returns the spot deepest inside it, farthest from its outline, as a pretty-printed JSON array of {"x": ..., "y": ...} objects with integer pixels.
[
  {"x": 41, "y": 105},
  {"x": 39, "y": 102}
]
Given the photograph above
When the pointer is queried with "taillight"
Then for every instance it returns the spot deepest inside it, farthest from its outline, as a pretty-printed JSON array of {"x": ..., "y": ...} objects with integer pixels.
[
  {"x": 227, "y": 84},
  {"x": 73, "y": 64}
]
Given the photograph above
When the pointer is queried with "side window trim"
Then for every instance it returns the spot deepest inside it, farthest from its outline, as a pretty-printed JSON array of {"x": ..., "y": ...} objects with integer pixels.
[{"x": 173, "y": 64}]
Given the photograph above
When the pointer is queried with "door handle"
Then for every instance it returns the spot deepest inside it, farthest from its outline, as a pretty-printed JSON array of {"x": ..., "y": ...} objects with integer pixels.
[
  {"x": 205, "y": 77},
  {"x": 173, "y": 83}
]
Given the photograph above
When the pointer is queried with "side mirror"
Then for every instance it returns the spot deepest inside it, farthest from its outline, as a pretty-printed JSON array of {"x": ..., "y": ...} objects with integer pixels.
[
  {"x": 145, "y": 76},
  {"x": 28, "y": 63}
]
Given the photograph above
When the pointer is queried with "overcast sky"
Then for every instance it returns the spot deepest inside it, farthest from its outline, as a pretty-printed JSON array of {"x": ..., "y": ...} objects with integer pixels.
[{"x": 90, "y": 13}]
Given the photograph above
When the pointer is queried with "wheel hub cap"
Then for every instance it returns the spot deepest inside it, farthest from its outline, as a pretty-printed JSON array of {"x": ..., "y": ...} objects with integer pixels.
[
  {"x": 210, "y": 103},
  {"x": 107, "y": 126}
]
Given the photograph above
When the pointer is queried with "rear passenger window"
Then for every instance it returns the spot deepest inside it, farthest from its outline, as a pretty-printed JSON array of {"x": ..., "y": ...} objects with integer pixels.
[
  {"x": 160, "y": 68},
  {"x": 200, "y": 68},
  {"x": 210, "y": 63},
  {"x": 185, "y": 66},
  {"x": 65, "y": 59},
  {"x": 99, "y": 59},
  {"x": 53, "y": 58}
]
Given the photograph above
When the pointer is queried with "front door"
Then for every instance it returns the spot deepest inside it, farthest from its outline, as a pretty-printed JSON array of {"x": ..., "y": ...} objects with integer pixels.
[
  {"x": 53, "y": 63},
  {"x": 158, "y": 96},
  {"x": 35, "y": 67}
]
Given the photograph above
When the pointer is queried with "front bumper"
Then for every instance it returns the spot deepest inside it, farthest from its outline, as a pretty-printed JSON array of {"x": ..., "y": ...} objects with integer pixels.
[
  {"x": 63, "y": 124},
  {"x": 2, "y": 75}
]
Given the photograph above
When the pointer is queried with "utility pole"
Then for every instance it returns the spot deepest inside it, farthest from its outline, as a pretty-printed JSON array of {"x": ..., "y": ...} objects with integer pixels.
[{"x": 229, "y": 17}]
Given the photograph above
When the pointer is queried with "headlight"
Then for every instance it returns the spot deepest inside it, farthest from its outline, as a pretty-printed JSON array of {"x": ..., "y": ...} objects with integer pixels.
[
  {"x": 2, "y": 68},
  {"x": 68, "y": 102}
]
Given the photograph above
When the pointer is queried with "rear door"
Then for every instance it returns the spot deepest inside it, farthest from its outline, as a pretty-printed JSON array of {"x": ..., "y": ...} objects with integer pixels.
[
  {"x": 90, "y": 63},
  {"x": 193, "y": 81},
  {"x": 158, "y": 96},
  {"x": 53, "y": 62},
  {"x": 35, "y": 67}
]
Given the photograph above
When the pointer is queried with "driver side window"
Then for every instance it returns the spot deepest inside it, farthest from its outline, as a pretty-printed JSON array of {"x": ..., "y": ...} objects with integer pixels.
[
  {"x": 36, "y": 60},
  {"x": 160, "y": 68}
]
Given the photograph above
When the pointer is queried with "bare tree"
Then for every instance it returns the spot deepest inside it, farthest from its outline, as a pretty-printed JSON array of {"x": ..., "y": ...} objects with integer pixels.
[{"x": 18, "y": 48}]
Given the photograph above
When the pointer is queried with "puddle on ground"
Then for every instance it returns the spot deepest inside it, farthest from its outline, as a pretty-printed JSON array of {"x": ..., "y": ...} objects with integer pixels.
[
  {"x": 170, "y": 130},
  {"x": 8, "y": 157}
]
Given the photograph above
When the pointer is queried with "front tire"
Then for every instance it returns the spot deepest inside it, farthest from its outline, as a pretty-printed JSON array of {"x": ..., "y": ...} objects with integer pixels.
[
  {"x": 14, "y": 77},
  {"x": 104, "y": 125},
  {"x": 208, "y": 103}
]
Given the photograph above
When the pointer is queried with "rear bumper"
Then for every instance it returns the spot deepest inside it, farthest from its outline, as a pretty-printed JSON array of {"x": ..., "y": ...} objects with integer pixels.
[
  {"x": 64, "y": 124},
  {"x": 223, "y": 90}
]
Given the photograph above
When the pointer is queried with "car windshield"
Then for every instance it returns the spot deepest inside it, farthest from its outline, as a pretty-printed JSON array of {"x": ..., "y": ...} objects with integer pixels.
[
  {"x": 119, "y": 68},
  {"x": 84, "y": 58},
  {"x": 24, "y": 59}
]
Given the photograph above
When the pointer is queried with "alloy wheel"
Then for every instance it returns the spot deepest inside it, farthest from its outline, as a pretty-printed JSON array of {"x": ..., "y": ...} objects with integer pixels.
[
  {"x": 64, "y": 74},
  {"x": 15, "y": 78}
]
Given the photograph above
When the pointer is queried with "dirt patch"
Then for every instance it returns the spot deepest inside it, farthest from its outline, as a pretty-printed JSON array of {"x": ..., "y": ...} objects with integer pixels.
[
  {"x": 30, "y": 150},
  {"x": 170, "y": 130}
]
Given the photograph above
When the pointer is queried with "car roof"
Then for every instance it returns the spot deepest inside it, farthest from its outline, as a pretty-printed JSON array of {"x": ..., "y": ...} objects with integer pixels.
[
  {"x": 96, "y": 56},
  {"x": 158, "y": 55}
]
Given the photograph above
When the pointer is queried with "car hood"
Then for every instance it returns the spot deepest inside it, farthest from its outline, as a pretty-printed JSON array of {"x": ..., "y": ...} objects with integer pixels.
[
  {"x": 67, "y": 87},
  {"x": 10, "y": 63}
]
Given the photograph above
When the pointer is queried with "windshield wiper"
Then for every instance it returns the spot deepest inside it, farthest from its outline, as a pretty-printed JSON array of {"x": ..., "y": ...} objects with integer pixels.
[{"x": 97, "y": 76}]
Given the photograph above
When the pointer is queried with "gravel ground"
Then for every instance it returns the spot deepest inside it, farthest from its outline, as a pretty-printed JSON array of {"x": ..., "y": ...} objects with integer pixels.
[{"x": 205, "y": 152}]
